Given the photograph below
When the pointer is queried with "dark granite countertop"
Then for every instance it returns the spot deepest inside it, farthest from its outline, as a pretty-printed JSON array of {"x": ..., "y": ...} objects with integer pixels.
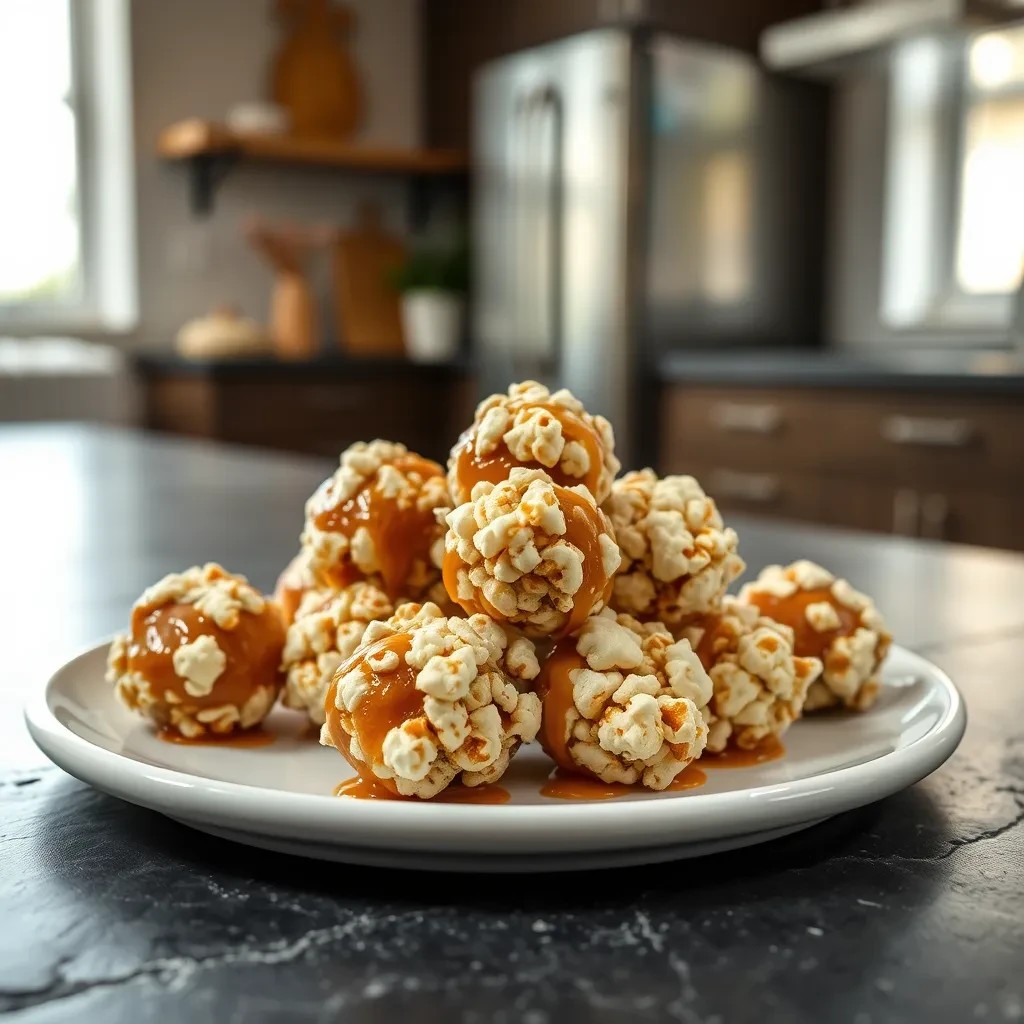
[
  {"x": 978, "y": 373},
  {"x": 909, "y": 910}
]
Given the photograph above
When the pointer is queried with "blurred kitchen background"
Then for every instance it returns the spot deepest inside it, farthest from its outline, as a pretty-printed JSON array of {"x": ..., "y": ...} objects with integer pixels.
[{"x": 778, "y": 242}]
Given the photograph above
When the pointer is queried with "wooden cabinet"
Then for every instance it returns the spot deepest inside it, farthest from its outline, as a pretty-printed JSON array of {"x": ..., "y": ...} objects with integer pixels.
[
  {"x": 317, "y": 407},
  {"x": 940, "y": 466}
]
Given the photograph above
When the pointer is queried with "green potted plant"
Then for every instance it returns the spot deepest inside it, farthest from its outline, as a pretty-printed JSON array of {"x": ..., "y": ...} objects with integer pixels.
[{"x": 433, "y": 283}]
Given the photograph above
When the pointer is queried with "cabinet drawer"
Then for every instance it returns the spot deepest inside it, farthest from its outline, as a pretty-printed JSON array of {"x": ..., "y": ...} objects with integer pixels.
[
  {"x": 771, "y": 493},
  {"x": 752, "y": 429},
  {"x": 926, "y": 440},
  {"x": 930, "y": 441}
]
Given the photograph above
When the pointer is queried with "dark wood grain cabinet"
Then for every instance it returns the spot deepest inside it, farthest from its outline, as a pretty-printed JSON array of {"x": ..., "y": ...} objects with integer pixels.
[
  {"x": 316, "y": 408},
  {"x": 939, "y": 466}
]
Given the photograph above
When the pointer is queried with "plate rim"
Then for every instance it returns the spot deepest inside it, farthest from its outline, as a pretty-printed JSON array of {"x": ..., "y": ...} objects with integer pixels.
[{"x": 526, "y": 829}]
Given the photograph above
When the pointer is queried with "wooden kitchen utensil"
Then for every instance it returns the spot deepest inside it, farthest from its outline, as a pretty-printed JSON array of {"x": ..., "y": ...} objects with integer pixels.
[
  {"x": 313, "y": 75},
  {"x": 293, "y": 317},
  {"x": 368, "y": 306}
]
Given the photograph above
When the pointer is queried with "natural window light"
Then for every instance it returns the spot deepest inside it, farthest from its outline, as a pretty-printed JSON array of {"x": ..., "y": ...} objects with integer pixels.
[
  {"x": 990, "y": 238},
  {"x": 953, "y": 252},
  {"x": 67, "y": 236},
  {"x": 40, "y": 251}
]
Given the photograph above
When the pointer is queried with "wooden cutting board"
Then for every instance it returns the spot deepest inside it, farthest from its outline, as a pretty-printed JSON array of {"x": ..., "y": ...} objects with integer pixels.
[{"x": 368, "y": 306}]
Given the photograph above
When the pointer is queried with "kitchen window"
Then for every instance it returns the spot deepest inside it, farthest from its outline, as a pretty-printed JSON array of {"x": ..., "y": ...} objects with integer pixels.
[
  {"x": 953, "y": 243},
  {"x": 66, "y": 209}
]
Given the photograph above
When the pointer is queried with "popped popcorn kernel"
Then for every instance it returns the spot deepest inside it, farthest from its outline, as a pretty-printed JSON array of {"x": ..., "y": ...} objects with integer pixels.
[
  {"x": 531, "y": 428},
  {"x": 202, "y": 654},
  {"x": 678, "y": 557},
  {"x": 830, "y": 621},
  {"x": 530, "y": 553},
  {"x": 426, "y": 701},
  {"x": 328, "y": 627},
  {"x": 623, "y": 701},
  {"x": 759, "y": 684},
  {"x": 376, "y": 519}
]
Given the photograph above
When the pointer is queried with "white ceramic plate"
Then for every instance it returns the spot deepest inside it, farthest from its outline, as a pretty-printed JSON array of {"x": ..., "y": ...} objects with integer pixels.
[{"x": 278, "y": 796}]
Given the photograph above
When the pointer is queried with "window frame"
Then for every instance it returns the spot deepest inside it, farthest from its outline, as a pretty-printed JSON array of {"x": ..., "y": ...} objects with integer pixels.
[{"x": 106, "y": 300}]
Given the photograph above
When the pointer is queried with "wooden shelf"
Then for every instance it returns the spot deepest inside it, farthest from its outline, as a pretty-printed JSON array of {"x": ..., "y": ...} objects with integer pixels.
[
  {"x": 194, "y": 138},
  {"x": 210, "y": 150}
]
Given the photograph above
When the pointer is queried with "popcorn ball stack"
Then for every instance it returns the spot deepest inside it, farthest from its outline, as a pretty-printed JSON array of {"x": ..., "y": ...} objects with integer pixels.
[
  {"x": 759, "y": 684},
  {"x": 328, "y": 627},
  {"x": 831, "y": 621},
  {"x": 530, "y": 553},
  {"x": 678, "y": 558},
  {"x": 534, "y": 429},
  {"x": 624, "y": 702},
  {"x": 425, "y": 700},
  {"x": 375, "y": 520},
  {"x": 202, "y": 656}
]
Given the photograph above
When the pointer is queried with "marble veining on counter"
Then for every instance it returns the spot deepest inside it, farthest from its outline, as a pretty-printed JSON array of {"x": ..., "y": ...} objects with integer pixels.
[{"x": 912, "y": 909}]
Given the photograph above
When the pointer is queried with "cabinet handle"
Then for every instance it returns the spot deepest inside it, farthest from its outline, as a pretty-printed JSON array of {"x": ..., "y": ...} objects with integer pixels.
[
  {"x": 927, "y": 431},
  {"x": 934, "y": 514},
  {"x": 744, "y": 418},
  {"x": 762, "y": 488},
  {"x": 905, "y": 508}
]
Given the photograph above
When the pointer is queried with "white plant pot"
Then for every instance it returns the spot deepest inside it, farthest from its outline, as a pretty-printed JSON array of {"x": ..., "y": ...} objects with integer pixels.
[{"x": 432, "y": 321}]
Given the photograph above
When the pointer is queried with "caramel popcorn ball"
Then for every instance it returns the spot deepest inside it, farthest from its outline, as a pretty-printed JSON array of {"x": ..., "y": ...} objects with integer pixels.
[
  {"x": 425, "y": 700},
  {"x": 624, "y": 702},
  {"x": 759, "y": 684},
  {"x": 328, "y": 627},
  {"x": 531, "y": 427},
  {"x": 374, "y": 520},
  {"x": 677, "y": 556},
  {"x": 831, "y": 621},
  {"x": 203, "y": 654},
  {"x": 529, "y": 552}
]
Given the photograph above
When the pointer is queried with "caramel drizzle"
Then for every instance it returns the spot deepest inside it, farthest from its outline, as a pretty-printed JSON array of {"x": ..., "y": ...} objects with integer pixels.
[
  {"x": 401, "y": 534},
  {"x": 789, "y": 610},
  {"x": 252, "y": 650}
]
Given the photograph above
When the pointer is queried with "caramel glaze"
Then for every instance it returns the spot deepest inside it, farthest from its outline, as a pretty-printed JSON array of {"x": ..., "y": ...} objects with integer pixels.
[
  {"x": 790, "y": 612},
  {"x": 770, "y": 749},
  {"x": 555, "y": 688},
  {"x": 401, "y": 535},
  {"x": 494, "y": 467},
  {"x": 243, "y": 739},
  {"x": 392, "y": 699},
  {"x": 360, "y": 789},
  {"x": 584, "y": 525},
  {"x": 563, "y": 785},
  {"x": 252, "y": 649}
]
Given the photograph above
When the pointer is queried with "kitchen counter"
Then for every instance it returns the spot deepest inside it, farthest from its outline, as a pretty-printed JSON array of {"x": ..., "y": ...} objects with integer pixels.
[
  {"x": 325, "y": 366},
  {"x": 908, "y": 910},
  {"x": 979, "y": 373}
]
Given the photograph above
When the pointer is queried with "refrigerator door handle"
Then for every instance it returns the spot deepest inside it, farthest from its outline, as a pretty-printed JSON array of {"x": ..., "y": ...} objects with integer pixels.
[
  {"x": 537, "y": 227},
  {"x": 549, "y": 103}
]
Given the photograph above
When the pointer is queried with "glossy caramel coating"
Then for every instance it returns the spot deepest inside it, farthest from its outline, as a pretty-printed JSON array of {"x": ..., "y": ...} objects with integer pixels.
[
  {"x": 376, "y": 520},
  {"x": 202, "y": 656}
]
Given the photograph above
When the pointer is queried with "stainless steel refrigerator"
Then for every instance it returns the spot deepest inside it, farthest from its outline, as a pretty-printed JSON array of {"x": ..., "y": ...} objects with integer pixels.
[{"x": 634, "y": 194}]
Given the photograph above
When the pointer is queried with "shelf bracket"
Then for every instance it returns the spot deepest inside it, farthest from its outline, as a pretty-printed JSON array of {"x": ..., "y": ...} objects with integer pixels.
[{"x": 206, "y": 172}]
